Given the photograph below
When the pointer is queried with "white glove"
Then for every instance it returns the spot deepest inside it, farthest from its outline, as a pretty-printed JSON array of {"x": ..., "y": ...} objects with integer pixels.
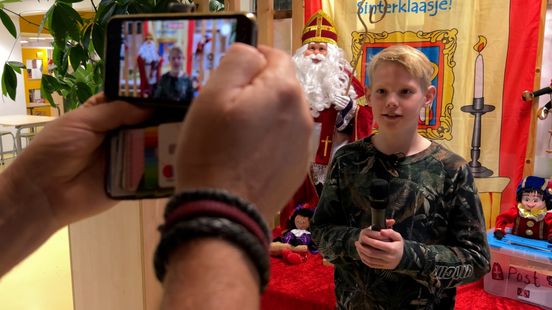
[{"x": 340, "y": 102}]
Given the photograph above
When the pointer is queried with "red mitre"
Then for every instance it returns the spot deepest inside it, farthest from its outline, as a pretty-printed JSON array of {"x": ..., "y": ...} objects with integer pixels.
[{"x": 319, "y": 28}]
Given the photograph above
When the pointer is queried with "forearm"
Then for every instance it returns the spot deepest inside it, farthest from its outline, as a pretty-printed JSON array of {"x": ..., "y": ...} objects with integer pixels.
[
  {"x": 25, "y": 222},
  {"x": 207, "y": 273},
  {"x": 331, "y": 228},
  {"x": 505, "y": 218},
  {"x": 464, "y": 257},
  {"x": 460, "y": 254},
  {"x": 336, "y": 242},
  {"x": 449, "y": 266}
]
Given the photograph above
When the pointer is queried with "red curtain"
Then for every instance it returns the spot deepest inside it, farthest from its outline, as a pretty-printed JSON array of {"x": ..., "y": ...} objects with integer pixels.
[
  {"x": 311, "y": 6},
  {"x": 519, "y": 75}
]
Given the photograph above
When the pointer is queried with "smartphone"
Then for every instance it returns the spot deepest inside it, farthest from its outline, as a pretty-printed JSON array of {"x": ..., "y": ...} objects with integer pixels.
[{"x": 160, "y": 61}]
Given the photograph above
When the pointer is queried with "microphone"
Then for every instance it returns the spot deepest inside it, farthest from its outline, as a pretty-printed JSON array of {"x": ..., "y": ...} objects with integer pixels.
[
  {"x": 529, "y": 96},
  {"x": 378, "y": 196}
]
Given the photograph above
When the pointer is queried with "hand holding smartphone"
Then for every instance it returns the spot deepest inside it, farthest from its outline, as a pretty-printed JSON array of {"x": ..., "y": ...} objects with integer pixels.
[{"x": 160, "y": 61}]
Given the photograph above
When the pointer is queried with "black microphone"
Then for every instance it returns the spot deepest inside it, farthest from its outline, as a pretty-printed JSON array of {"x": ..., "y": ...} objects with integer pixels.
[{"x": 378, "y": 196}]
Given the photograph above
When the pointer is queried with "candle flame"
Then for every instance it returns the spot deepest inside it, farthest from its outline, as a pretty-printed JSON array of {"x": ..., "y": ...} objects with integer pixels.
[{"x": 480, "y": 45}]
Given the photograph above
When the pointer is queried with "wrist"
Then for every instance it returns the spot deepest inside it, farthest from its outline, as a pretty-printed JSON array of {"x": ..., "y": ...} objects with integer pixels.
[
  {"x": 207, "y": 214},
  {"x": 201, "y": 269}
]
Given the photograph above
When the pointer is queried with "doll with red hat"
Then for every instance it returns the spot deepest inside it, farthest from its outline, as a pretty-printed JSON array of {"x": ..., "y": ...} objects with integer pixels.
[{"x": 532, "y": 216}]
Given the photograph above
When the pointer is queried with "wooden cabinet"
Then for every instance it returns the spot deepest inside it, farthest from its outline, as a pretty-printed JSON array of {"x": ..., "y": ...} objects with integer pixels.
[
  {"x": 112, "y": 258},
  {"x": 36, "y": 62}
]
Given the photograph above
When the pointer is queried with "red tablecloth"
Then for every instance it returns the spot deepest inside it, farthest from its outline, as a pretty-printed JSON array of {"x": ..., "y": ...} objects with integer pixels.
[
  {"x": 310, "y": 286},
  {"x": 305, "y": 286}
]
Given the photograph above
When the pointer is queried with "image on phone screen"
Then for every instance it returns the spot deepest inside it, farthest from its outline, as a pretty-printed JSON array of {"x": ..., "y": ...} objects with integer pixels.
[
  {"x": 160, "y": 61},
  {"x": 169, "y": 60}
]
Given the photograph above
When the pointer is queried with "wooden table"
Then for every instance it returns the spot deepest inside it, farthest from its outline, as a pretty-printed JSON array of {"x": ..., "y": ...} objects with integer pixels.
[{"x": 20, "y": 121}]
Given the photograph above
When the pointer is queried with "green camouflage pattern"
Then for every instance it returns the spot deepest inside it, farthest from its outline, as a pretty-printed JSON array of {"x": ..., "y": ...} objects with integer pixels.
[{"x": 437, "y": 210}]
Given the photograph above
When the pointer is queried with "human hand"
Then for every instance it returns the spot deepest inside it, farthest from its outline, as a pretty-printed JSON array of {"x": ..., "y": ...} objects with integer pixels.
[
  {"x": 380, "y": 249},
  {"x": 340, "y": 102},
  {"x": 248, "y": 131},
  {"x": 499, "y": 234},
  {"x": 61, "y": 173}
]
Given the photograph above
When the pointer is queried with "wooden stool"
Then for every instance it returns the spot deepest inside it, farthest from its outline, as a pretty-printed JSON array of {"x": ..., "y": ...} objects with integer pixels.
[
  {"x": 28, "y": 136},
  {"x": 2, "y": 152}
]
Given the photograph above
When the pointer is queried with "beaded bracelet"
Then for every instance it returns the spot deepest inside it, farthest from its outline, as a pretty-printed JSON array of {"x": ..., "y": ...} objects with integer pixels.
[{"x": 214, "y": 213}]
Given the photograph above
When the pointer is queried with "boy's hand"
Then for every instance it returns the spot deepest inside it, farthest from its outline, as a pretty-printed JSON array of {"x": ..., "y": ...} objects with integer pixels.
[{"x": 380, "y": 249}]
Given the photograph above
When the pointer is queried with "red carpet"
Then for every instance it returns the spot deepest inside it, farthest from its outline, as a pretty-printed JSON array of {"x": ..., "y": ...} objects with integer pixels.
[{"x": 310, "y": 286}]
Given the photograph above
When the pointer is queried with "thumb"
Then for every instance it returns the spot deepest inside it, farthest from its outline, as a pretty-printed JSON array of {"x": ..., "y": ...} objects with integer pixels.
[
  {"x": 108, "y": 116},
  {"x": 391, "y": 234}
]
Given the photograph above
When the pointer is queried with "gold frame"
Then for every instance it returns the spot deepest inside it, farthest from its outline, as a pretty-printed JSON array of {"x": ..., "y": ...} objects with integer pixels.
[{"x": 447, "y": 40}]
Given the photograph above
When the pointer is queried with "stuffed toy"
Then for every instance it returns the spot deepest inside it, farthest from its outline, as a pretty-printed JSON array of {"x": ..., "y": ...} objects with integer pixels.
[
  {"x": 295, "y": 242},
  {"x": 531, "y": 217}
]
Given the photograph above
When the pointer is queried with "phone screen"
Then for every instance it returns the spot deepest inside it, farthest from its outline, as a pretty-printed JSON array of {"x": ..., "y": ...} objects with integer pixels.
[
  {"x": 165, "y": 59},
  {"x": 161, "y": 61}
]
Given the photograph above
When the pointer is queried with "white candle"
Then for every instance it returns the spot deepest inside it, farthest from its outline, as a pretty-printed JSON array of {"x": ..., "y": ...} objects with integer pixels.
[{"x": 478, "y": 77}]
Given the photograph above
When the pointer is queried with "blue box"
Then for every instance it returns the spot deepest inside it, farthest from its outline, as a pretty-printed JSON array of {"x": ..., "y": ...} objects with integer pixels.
[{"x": 521, "y": 269}]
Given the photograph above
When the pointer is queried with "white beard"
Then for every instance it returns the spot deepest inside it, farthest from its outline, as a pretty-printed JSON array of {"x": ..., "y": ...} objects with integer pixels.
[
  {"x": 148, "y": 52},
  {"x": 324, "y": 80}
]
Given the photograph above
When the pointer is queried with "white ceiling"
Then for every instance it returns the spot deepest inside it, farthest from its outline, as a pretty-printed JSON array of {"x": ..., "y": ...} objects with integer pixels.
[
  {"x": 30, "y": 7},
  {"x": 34, "y": 7}
]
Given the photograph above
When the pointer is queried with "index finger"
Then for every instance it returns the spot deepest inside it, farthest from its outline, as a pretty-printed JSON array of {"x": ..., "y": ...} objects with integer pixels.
[
  {"x": 237, "y": 68},
  {"x": 277, "y": 60}
]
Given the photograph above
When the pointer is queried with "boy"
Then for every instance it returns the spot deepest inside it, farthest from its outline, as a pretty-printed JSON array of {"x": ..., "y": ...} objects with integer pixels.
[
  {"x": 437, "y": 240},
  {"x": 175, "y": 85}
]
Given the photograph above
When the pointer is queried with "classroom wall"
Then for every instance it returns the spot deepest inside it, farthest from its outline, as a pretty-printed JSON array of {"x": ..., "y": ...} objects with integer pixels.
[
  {"x": 543, "y": 160},
  {"x": 8, "y": 106}
]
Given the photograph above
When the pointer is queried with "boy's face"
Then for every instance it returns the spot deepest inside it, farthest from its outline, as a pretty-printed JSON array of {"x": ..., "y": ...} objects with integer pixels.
[
  {"x": 396, "y": 98},
  {"x": 176, "y": 60}
]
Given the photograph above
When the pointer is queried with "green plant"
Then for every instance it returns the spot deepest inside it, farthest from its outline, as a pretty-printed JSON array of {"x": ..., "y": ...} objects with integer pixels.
[{"x": 78, "y": 47}]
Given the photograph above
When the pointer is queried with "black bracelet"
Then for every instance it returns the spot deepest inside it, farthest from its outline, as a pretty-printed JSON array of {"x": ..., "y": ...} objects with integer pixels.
[
  {"x": 218, "y": 228},
  {"x": 214, "y": 213},
  {"x": 217, "y": 195}
]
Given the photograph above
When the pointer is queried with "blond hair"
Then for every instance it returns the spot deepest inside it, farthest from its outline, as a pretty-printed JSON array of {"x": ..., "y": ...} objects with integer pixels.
[
  {"x": 175, "y": 49},
  {"x": 412, "y": 59}
]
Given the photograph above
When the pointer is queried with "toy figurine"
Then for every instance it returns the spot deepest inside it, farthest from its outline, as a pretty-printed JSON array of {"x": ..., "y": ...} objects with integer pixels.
[
  {"x": 149, "y": 62},
  {"x": 296, "y": 241},
  {"x": 531, "y": 217}
]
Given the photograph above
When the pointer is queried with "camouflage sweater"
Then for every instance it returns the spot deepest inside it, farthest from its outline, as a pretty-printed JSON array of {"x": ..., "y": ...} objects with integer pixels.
[{"x": 432, "y": 198}]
